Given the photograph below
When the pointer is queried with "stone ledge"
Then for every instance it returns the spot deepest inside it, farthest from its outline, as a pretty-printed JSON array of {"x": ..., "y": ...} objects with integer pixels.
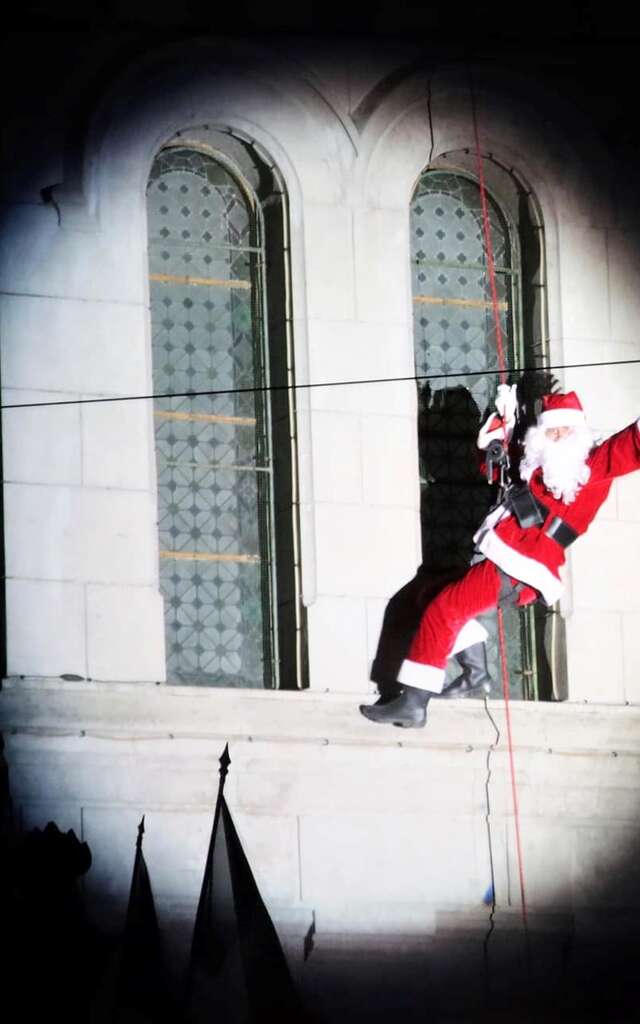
[{"x": 139, "y": 711}]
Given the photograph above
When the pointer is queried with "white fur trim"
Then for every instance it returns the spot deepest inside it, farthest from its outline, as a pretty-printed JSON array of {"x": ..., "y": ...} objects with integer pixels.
[
  {"x": 520, "y": 566},
  {"x": 491, "y": 520},
  {"x": 485, "y": 439},
  {"x": 562, "y": 418},
  {"x": 421, "y": 677},
  {"x": 495, "y": 430},
  {"x": 471, "y": 633}
]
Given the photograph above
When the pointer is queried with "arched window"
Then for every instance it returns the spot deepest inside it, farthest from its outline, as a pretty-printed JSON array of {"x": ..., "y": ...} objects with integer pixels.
[
  {"x": 454, "y": 333},
  {"x": 224, "y": 460}
]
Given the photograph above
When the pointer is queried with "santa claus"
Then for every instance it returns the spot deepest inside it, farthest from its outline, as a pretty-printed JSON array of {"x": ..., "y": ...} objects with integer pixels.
[{"x": 520, "y": 546}]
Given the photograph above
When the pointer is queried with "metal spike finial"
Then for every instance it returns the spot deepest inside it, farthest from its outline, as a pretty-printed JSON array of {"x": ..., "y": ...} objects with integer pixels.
[
  {"x": 140, "y": 834},
  {"x": 225, "y": 761}
]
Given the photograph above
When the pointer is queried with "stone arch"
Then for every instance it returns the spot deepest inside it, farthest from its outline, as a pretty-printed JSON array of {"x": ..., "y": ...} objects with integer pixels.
[{"x": 231, "y": 86}]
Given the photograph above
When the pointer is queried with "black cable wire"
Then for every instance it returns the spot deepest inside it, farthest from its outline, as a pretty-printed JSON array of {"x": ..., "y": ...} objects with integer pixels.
[
  {"x": 306, "y": 387},
  {"x": 430, "y": 123},
  {"x": 485, "y": 945}
]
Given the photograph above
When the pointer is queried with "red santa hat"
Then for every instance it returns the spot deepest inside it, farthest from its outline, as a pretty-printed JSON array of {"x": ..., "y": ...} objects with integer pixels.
[{"x": 561, "y": 411}]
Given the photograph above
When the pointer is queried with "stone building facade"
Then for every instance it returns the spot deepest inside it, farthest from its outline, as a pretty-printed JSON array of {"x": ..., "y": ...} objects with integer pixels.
[{"x": 380, "y": 843}]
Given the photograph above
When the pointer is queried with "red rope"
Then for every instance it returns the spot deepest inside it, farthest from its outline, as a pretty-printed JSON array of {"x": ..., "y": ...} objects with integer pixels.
[
  {"x": 489, "y": 247},
  {"x": 503, "y": 377},
  {"x": 512, "y": 766}
]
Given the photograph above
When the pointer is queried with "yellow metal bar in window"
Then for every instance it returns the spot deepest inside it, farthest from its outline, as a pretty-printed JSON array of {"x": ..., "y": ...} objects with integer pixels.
[
  {"x": 212, "y": 282},
  {"x": 435, "y": 300},
  {"x": 208, "y": 556},
  {"x": 205, "y": 417}
]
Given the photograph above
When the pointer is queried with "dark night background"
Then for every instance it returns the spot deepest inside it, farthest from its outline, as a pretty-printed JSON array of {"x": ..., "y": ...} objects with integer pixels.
[{"x": 58, "y": 56}]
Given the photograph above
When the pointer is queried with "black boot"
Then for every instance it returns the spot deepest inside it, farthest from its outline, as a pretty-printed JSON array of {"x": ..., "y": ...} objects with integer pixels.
[
  {"x": 409, "y": 710},
  {"x": 474, "y": 677}
]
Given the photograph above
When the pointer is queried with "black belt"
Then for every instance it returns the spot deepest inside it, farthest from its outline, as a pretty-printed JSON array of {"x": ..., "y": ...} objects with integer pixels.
[
  {"x": 525, "y": 507},
  {"x": 530, "y": 511},
  {"x": 561, "y": 532}
]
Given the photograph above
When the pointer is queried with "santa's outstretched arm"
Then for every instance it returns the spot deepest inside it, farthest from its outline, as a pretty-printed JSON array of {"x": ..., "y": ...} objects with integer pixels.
[{"x": 618, "y": 455}]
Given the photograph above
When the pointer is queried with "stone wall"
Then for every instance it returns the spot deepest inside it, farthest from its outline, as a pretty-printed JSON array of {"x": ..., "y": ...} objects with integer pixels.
[
  {"x": 80, "y": 481},
  {"x": 372, "y": 843},
  {"x": 378, "y": 837}
]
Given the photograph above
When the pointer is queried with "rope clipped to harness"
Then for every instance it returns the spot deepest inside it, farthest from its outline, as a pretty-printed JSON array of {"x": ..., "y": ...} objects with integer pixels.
[{"x": 502, "y": 366}]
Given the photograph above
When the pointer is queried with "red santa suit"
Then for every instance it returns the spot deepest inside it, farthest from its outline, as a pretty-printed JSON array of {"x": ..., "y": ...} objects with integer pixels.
[{"x": 532, "y": 555}]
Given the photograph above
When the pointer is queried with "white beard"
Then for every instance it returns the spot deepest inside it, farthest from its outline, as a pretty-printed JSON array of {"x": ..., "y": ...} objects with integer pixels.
[{"x": 563, "y": 463}]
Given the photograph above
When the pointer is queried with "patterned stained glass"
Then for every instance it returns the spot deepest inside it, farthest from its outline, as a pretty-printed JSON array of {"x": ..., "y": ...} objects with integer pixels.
[
  {"x": 213, "y": 457},
  {"x": 455, "y": 333},
  {"x": 453, "y": 312}
]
